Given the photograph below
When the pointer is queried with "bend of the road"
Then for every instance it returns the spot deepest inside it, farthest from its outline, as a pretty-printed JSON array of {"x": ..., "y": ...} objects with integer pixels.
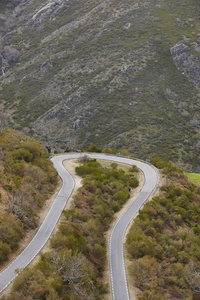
[{"x": 117, "y": 269}]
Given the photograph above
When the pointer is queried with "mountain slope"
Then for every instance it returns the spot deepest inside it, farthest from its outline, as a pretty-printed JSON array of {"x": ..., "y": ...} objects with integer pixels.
[{"x": 105, "y": 72}]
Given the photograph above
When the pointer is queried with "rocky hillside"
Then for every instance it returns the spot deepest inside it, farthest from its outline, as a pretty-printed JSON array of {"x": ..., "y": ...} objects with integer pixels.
[{"x": 121, "y": 74}]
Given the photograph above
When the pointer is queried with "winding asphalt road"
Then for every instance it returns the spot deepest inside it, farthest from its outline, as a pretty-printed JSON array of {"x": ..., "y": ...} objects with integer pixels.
[{"x": 118, "y": 274}]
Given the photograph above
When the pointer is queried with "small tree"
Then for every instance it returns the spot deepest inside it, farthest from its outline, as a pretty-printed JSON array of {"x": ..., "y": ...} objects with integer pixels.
[
  {"x": 94, "y": 148},
  {"x": 111, "y": 151},
  {"x": 114, "y": 165},
  {"x": 71, "y": 268},
  {"x": 192, "y": 276}
]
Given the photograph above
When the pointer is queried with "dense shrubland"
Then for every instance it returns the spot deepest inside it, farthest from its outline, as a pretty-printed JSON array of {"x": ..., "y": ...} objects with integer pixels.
[
  {"x": 163, "y": 243},
  {"x": 74, "y": 266},
  {"x": 26, "y": 180}
]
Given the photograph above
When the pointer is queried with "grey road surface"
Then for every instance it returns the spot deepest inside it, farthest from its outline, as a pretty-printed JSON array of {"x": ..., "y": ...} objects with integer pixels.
[
  {"x": 118, "y": 274},
  {"x": 45, "y": 229}
]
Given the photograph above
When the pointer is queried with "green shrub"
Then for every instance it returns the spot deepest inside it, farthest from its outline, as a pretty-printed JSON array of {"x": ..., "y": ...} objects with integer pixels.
[
  {"x": 22, "y": 154},
  {"x": 94, "y": 148},
  {"x": 134, "y": 169},
  {"x": 5, "y": 250}
]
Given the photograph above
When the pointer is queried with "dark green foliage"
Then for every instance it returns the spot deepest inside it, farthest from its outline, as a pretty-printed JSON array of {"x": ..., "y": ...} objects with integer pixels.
[
  {"x": 139, "y": 244},
  {"x": 4, "y": 251},
  {"x": 32, "y": 284},
  {"x": 166, "y": 166},
  {"x": 134, "y": 182},
  {"x": 111, "y": 151},
  {"x": 121, "y": 196},
  {"x": 23, "y": 154},
  {"x": 17, "y": 168},
  {"x": 134, "y": 168},
  {"x": 94, "y": 148},
  {"x": 10, "y": 234},
  {"x": 70, "y": 239},
  {"x": 8, "y": 187},
  {"x": 114, "y": 165},
  {"x": 107, "y": 184}
]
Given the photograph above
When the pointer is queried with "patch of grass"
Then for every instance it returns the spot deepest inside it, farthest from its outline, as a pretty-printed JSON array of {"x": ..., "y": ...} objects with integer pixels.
[
  {"x": 107, "y": 164},
  {"x": 194, "y": 178}
]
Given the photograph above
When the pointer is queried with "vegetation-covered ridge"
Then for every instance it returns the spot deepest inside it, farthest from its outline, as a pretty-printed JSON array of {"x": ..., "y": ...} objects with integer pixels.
[
  {"x": 27, "y": 179},
  {"x": 73, "y": 267},
  {"x": 163, "y": 243},
  {"x": 104, "y": 72}
]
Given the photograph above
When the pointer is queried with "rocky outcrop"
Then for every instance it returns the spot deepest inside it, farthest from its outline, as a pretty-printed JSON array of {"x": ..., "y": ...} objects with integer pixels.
[
  {"x": 180, "y": 50},
  {"x": 184, "y": 61}
]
